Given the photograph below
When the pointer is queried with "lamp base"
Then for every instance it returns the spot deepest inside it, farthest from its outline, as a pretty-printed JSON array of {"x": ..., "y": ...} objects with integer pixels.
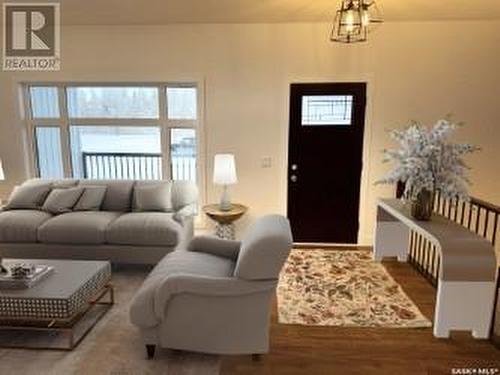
[{"x": 225, "y": 200}]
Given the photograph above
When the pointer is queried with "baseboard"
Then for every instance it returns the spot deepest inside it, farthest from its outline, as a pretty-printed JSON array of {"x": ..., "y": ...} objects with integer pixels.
[{"x": 330, "y": 246}]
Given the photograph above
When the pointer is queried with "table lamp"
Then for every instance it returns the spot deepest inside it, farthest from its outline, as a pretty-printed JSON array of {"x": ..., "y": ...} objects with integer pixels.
[{"x": 225, "y": 174}]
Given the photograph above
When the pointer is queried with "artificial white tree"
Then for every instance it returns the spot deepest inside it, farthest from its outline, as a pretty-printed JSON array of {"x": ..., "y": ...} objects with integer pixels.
[{"x": 427, "y": 161}]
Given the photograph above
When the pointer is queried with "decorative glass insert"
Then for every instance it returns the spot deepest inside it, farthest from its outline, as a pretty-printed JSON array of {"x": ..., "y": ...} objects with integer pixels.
[
  {"x": 113, "y": 102},
  {"x": 116, "y": 152},
  {"x": 183, "y": 154},
  {"x": 318, "y": 110},
  {"x": 48, "y": 145},
  {"x": 181, "y": 103},
  {"x": 44, "y": 102}
]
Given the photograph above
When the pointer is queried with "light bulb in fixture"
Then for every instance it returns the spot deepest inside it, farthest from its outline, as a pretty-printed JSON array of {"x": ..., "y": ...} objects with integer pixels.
[{"x": 349, "y": 20}]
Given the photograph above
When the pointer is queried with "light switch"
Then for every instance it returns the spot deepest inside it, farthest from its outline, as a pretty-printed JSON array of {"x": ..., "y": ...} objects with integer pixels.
[{"x": 266, "y": 162}]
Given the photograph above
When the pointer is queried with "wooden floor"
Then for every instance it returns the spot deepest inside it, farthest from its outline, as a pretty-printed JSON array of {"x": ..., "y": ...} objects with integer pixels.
[{"x": 308, "y": 350}]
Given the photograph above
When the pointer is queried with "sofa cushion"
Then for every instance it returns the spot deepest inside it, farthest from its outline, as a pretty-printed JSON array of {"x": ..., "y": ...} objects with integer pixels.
[
  {"x": 91, "y": 199},
  {"x": 144, "y": 228},
  {"x": 153, "y": 198},
  {"x": 60, "y": 201},
  {"x": 64, "y": 183},
  {"x": 77, "y": 228},
  {"x": 56, "y": 184},
  {"x": 21, "y": 225},
  {"x": 152, "y": 193},
  {"x": 28, "y": 196},
  {"x": 184, "y": 193},
  {"x": 118, "y": 195}
]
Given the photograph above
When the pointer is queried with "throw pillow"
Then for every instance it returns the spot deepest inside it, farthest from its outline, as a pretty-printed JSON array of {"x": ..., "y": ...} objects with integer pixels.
[
  {"x": 28, "y": 197},
  {"x": 153, "y": 198},
  {"x": 60, "y": 201},
  {"x": 91, "y": 199}
]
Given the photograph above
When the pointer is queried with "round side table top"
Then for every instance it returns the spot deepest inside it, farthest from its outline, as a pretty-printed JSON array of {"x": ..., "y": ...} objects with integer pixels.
[{"x": 214, "y": 212}]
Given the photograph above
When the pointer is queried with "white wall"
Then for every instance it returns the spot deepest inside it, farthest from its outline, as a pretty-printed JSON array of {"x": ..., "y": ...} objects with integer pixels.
[{"x": 417, "y": 71}]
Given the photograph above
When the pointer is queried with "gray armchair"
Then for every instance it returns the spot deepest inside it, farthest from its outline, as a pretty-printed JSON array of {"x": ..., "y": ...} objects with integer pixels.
[{"x": 215, "y": 297}]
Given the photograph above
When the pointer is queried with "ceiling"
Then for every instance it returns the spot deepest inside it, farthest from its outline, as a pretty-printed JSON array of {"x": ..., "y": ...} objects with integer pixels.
[{"x": 159, "y": 12}]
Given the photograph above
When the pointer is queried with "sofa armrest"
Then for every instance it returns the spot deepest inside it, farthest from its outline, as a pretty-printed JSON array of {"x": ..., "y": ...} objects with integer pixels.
[
  {"x": 215, "y": 246},
  {"x": 186, "y": 212},
  {"x": 149, "y": 306}
]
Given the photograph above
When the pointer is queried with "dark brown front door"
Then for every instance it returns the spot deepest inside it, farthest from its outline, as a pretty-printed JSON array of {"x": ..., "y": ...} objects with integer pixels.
[{"x": 325, "y": 160}]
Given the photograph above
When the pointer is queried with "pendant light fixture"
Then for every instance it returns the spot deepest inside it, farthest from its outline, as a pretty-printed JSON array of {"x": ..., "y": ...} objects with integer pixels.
[{"x": 353, "y": 20}]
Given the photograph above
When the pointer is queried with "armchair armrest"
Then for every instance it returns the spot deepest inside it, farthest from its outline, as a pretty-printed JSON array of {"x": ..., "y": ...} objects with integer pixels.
[
  {"x": 215, "y": 246},
  {"x": 148, "y": 307},
  {"x": 205, "y": 286}
]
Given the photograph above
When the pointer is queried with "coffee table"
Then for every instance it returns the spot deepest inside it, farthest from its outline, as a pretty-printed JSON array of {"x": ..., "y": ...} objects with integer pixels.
[{"x": 58, "y": 312}]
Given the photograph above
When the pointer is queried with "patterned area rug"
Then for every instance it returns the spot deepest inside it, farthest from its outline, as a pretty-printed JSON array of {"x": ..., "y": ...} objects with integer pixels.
[{"x": 343, "y": 288}]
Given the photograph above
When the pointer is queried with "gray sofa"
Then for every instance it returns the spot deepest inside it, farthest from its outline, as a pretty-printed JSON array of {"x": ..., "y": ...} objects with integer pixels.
[
  {"x": 215, "y": 296},
  {"x": 115, "y": 232}
]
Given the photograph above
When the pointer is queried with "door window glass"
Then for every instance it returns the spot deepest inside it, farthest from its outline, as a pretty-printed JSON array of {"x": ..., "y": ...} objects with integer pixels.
[{"x": 318, "y": 110}]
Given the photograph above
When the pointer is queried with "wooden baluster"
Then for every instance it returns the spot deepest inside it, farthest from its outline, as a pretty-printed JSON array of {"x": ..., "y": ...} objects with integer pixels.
[
  {"x": 462, "y": 217},
  {"x": 456, "y": 210},
  {"x": 495, "y": 229},
  {"x": 417, "y": 251},
  {"x": 411, "y": 247},
  {"x": 433, "y": 255},
  {"x": 486, "y": 222},
  {"x": 471, "y": 208},
  {"x": 428, "y": 259},
  {"x": 478, "y": 218},
  {"x": 438, "y": 266}
]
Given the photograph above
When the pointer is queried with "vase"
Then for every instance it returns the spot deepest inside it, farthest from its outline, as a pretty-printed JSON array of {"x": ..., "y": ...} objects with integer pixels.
[{"x": 421, "y": 207}]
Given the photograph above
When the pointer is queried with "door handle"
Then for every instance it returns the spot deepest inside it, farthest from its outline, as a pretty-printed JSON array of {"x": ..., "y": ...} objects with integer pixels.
[{"x": 293, "y": 178}]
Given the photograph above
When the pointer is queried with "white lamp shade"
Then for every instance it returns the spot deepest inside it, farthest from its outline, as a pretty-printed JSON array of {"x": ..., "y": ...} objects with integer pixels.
[
  {"x": 224, "y": 169},
  {"x": 2, "y": 175}
]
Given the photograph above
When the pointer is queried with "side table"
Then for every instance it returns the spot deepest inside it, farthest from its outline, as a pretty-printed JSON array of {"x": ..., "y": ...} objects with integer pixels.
[{"x": 225, "y": 219}]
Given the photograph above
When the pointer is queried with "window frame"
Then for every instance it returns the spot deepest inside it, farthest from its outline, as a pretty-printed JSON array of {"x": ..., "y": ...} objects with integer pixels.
[{"x": 64, "y": 122}]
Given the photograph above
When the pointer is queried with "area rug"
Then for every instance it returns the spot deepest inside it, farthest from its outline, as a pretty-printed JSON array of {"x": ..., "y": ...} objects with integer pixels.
[
  {"x": 343, "y": 288},
  {"x": 113, "y": 347}
]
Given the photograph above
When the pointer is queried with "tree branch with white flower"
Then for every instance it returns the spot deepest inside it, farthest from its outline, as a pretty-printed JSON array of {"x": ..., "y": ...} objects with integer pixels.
[{"x": 427, "y": 160}]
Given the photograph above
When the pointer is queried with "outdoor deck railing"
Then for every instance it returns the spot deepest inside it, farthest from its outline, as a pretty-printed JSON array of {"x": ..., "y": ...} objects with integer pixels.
[{"x": 135, "y": 166}]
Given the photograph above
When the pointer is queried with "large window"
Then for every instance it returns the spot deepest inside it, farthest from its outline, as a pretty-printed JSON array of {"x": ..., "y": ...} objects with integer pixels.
[{"x": 114, "y": 131}]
